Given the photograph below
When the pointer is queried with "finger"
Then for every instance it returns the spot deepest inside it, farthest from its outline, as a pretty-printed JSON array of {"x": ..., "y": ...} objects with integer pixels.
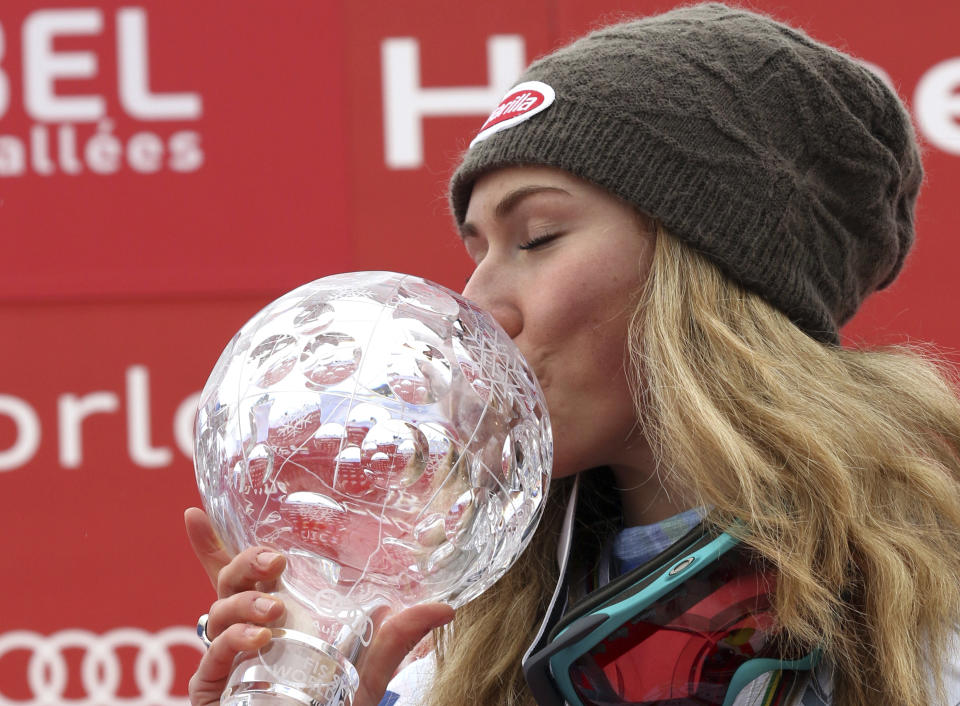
[
  {"x": 209, "y": 680},
  {"x": 391, "y": 643},
  {"x": 206, "y": 544},
  {"x": 247, "y": 607},
  {"x": 248, "y": 568}
]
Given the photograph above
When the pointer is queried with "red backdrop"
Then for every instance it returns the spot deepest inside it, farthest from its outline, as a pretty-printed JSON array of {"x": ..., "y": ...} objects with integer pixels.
[{"x": 166, "y": 168}]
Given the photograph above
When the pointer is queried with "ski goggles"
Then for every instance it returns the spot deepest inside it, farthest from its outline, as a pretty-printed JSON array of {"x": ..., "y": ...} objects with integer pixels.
[{"x": 694, "y": 626}]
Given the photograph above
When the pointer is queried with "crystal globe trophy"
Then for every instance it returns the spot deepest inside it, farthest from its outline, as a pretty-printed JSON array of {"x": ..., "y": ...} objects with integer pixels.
[{"x": 388, "y": 438}]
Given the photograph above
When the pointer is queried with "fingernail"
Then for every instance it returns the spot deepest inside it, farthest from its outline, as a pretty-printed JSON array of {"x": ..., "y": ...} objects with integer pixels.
[
  {"x": 266, "y": 559},
  {"x": 263, "y": 605},
  {"x": 254, "y": 633}
]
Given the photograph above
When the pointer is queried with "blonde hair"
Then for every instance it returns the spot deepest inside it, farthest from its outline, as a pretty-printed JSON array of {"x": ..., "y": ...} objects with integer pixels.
[{"x": 842, "y": 466}]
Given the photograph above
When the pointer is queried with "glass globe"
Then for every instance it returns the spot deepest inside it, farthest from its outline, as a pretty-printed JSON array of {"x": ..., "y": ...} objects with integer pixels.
[{"x": 388, "y": 438}]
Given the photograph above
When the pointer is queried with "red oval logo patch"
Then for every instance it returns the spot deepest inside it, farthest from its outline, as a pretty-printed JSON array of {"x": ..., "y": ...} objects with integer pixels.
[
  {"x": 515, "y": 104},
  {"x": 522, "y": 102}
]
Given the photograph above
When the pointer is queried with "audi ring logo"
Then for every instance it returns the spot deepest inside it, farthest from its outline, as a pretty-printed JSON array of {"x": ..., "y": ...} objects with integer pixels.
[{"x": 102, "y": 667}]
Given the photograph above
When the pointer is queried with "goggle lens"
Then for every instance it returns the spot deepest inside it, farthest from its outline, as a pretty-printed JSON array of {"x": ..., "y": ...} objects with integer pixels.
[{"x": 684, "y": 648}]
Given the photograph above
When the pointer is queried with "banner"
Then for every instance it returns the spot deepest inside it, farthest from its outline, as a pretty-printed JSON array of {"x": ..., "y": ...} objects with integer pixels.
[{"x": 168, "y": 167}]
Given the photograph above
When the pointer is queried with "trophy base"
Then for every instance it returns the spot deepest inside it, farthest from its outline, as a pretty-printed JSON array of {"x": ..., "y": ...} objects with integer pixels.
[{"x": 293, "y": 668}]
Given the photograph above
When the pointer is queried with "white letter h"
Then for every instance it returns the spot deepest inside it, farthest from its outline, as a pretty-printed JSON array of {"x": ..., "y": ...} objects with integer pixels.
[{"x": 406, "y": 102}]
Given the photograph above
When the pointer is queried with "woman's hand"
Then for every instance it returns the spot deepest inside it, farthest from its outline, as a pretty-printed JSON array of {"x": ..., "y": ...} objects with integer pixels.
[{"x": 238, "y": 618}]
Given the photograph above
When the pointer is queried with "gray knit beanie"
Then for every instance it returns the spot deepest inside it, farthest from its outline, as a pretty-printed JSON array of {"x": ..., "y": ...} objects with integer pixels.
[{"x": 788, "y": 164}]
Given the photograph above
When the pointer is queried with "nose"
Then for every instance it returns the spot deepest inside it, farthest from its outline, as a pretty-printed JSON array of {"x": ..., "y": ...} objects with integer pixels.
[{"x": 495, "y": 291}]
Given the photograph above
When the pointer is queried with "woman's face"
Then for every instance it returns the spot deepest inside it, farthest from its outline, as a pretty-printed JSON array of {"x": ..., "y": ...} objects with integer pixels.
[{"x": 559, "y": 263}]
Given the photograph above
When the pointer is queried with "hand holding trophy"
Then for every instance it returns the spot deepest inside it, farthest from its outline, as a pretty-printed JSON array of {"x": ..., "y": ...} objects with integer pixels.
[{"x": 388, "y": 438}]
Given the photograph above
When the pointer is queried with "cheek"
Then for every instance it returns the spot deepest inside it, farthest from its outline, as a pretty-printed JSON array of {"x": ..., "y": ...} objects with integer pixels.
[
  {"x": 582, "y": 364},
  {"x": 602, "y": 320},
  {"x": 585, "y": 375},
  {"x": 578, "y": 328}
]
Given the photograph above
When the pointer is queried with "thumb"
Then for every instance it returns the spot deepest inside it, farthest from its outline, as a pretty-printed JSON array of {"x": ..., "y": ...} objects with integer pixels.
[
  {"x": 206, "y": 544},
  {"x": 391, "y": 643}
]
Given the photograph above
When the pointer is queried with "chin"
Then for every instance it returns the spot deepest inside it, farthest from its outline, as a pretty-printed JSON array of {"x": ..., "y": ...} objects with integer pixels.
[{"x": 564, "y": 470}]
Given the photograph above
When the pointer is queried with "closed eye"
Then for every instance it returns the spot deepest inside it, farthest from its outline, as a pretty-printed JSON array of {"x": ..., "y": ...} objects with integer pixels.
[{"x": 538, "y": 241}]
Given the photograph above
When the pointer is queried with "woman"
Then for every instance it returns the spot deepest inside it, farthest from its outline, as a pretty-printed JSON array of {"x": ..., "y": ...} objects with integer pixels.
[{"x": 672, "y": 217}]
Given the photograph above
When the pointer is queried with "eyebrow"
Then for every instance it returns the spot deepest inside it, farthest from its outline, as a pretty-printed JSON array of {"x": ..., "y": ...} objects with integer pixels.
[{"x": 509, "y": 202}]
